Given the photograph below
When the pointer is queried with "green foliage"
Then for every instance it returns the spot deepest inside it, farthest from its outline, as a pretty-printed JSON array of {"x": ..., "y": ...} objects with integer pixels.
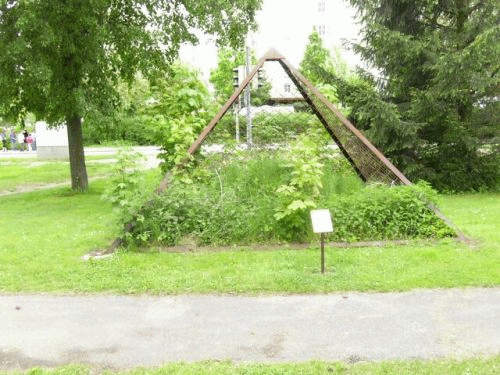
[
  {"x": 150, "y": 112},
  {"x": 74, "y": 56},
  {"x": 318, "y": 58},
  {"x": 378, "y": 213},
  {"x": 125, "y": 189},
  {"x": 267, "y": 128},
  {"x": 121, "y": 128},
  {"x": 303, "y": 191},
  {"x": 440, "y": 73},
  {"x": 234, "y": 205},
  {"x": 180, "y": 115},
  {"x": 222, "y": 76},
  {"x": 360, "y": 101},
  {"x": 316, "y": 55},
  {"x": 127, "y": 123},
  {"x": 281, "y": 128},
  {"x": 60, "y": 61},
  {"x": 262, "y": 197}
]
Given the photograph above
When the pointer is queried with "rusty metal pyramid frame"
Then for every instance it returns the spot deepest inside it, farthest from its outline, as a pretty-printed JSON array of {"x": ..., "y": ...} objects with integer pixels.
[{"x": 368, "y": 162}]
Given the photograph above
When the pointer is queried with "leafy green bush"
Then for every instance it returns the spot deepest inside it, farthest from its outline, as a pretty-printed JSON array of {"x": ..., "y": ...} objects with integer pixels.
[
  {"x": 225, "y": 204},
  {"x": 236, "y": 201},
  {"x": 301, "y": 193},
  {"x": 123, "y": 128},
  {"x": 379, "y": 212},
  {"x": 457, "y": 166},
  {"x": 130, "y": 186}
]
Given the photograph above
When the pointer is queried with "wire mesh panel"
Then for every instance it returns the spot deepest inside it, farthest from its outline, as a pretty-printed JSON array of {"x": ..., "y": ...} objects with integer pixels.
[
  {"x": 364, "y": 159},
  {"x": 292, "y": 119},
  {"x": 369, "y": 163},
  {"x": 272, "y": 127}
]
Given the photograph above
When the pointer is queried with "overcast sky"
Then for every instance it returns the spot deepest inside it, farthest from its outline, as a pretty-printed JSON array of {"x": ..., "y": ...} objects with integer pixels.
[{"x": 285, "y": 26}]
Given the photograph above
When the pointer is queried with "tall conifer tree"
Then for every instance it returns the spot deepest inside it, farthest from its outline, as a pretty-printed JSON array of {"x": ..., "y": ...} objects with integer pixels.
[{"x": 439, "y": 64}]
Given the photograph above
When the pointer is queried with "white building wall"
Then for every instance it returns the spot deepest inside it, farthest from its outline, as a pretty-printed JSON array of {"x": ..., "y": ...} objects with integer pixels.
[{"x": 51, "y": 143}]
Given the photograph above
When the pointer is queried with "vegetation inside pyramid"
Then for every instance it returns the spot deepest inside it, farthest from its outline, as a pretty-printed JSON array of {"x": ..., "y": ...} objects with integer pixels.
[{"x": 231, "y": 194}]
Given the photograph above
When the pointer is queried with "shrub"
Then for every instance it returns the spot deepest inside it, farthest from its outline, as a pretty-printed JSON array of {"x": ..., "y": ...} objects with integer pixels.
[
  {"x": 235, "y": 202},
  {"x": 456, "y": 167},
  {"x": 379, "y": 212}
]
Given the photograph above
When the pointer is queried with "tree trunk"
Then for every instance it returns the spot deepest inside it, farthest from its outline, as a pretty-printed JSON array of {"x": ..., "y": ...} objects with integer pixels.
[{"x": 79, "y": 179}]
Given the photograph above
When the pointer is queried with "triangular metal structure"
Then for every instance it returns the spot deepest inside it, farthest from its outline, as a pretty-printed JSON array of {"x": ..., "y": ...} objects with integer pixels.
[{"x": 368, "y": 162}]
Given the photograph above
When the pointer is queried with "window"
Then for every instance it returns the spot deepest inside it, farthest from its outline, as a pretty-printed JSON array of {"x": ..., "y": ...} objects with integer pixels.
[
  {"x": 288, "y": 87},
  {"x": 321, "y": 6},
  {"x": 322, "y": 29}
]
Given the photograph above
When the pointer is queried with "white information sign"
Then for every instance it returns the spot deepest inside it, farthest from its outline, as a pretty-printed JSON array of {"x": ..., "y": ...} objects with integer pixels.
[{"x": 321, "y": 221}]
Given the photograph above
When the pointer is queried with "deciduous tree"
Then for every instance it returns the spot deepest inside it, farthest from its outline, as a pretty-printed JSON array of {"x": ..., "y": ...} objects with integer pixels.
[{"x": 61, "y": 57}]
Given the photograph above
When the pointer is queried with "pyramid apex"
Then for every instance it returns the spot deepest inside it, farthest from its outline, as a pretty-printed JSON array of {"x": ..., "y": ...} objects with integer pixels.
[{"x": 273, "y": 54}]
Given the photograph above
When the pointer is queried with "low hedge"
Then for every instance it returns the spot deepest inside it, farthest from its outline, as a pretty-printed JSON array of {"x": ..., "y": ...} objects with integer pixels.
[{"x": 198, "y": 215}]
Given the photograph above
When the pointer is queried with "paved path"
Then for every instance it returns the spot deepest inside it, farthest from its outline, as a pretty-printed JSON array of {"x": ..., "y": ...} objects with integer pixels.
[{"x": 124, "y": 331}]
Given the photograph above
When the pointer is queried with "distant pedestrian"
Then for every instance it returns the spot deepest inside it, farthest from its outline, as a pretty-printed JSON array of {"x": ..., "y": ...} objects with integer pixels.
[
  {"x": 29, "y": 142},
  {"x": 13, "y": 140},
  {"x": 3, "y": 137},
  {"x": 25, "y": 140}
]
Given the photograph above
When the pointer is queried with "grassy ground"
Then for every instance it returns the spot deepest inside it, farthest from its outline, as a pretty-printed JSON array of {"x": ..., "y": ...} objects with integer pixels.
[
  {"x": 25, "y": 173},
  {"x": 478, "y": 366},
  {"x": 45, "y": 233}
]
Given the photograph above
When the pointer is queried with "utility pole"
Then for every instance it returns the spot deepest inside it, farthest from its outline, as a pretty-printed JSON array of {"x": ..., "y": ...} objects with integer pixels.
[
  {"x": 237, "y": 112},
  {"x": 236, "y": 105},
  {"x": 247, "y": 100}
]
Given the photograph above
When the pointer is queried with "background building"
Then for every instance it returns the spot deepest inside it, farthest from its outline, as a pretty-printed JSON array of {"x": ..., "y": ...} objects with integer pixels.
[{"x": 285, "y": 26}]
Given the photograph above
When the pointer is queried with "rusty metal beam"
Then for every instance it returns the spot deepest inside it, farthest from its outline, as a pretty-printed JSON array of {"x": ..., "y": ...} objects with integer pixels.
[
  {"x": 269, "y": 55},
  {"x": 346, "y": 122},
  {"x": 318, "y": 114}
]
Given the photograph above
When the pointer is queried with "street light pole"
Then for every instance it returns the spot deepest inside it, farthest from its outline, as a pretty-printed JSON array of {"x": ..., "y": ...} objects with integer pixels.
[{"x": 247, "y": 100}]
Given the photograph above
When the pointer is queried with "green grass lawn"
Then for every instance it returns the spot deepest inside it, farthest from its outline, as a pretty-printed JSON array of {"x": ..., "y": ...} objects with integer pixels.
[
  {"x": 45, "y": 234},
  {"x": 478, "y": 366},
  {"x": 24, "y": 173}
]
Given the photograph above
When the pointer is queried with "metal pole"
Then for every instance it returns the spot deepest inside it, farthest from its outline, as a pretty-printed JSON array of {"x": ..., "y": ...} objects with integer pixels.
[
  {"x": 237, "y": 113},
  {"x": 247, "y": 97},
  {"x": 322, "y": 253}
]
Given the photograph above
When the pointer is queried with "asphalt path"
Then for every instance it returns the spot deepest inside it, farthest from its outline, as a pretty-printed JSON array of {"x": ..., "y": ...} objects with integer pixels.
[{"x": 117, "y": 332}]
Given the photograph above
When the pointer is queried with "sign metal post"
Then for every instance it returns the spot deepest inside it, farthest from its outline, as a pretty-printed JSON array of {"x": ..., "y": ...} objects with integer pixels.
[{"x": 322, "y": 223}]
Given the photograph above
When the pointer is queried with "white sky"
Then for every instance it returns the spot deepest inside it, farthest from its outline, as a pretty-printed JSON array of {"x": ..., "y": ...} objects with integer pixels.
[{"x": 285, "y": 25}]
